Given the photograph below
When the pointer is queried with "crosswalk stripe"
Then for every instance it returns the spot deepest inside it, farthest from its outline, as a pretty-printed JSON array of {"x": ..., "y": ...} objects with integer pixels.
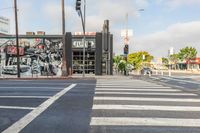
[
  {"x": 128, "y": 85},
  {"x": 153, "y": 90},
  {"x": 34, "y": 97},
  {"x": 146, "y": 99},
  {"x": 135, "y": 121},
  {"x": 144, "y": 107},
  {"x": 16, "y": 107},
  {"x": 147, "y": 93},
  {"x": 150, "y": 87}
]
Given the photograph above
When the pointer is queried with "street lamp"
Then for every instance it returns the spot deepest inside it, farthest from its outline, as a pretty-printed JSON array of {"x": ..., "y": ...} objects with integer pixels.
[
  {"x": 17, "y": 39},
  {"x": 83, "y": 20}
]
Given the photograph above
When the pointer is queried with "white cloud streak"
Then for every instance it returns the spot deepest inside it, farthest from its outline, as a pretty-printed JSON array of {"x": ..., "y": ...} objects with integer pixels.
[{"x": 177, "y": 35}]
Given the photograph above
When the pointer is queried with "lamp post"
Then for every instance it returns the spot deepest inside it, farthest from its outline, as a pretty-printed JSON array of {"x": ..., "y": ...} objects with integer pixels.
[
  {"x": 17, "y": 39},
  {"x": 83, "y": 20}
]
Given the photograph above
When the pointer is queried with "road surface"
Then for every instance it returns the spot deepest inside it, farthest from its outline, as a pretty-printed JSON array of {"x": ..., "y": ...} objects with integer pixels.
[{"x": 102, "y": 105}]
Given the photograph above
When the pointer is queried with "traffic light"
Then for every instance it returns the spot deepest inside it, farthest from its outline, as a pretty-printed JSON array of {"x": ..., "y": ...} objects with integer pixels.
[
  {"x": 78, "y": 5},
  {"x": 126, "y": 49}
]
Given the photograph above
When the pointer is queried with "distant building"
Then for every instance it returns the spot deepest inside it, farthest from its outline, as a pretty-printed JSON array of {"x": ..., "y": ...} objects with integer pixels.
[
  {"x": 171, "y": 51},
  {"x": 4, "y": 25}
]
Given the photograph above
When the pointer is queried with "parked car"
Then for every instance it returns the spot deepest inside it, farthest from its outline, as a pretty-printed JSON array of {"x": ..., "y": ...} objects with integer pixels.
[{"x": 145, "y": 71}]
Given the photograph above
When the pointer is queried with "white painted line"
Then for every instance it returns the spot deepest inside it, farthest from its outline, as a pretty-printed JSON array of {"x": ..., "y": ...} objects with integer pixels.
[
  {"x": 19, "y": 125},
  {"x": 23, "y": 87},
  {"x": 144, "y": 107},
  {"x": 146, "y": 99},
  {"x": 135, "y": 121},
  {"x": 124, "y": 85},
  {"x": 16, "y": 107},
  {"x": 180, "y": 80},
  {"x": 147, "y": 93},
  {"x": 142, "y": 87},
  {"x": 152, "y": 90},
  {"x": 35, "y": 97},
  {"x": 155, "y": 78},
  {"x": 36, "y": 83}
]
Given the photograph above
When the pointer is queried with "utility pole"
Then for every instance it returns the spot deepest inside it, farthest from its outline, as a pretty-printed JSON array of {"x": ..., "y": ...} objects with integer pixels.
[
  {"x": 84, "y": 38},
  {"x": 17, "y": 39},
  {"x": 64, "y": 60}
]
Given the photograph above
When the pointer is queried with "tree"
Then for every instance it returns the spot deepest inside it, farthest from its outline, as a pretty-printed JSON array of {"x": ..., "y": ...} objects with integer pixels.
[
  {"x": 187, "y": 54},
  {"x": 136, "y": 59},
  {"x": 165, "y": 61},
  {"x": 122, "y": 65},
  {"x": 116, "y": 61},
  {"x": 174, "y": 59}
]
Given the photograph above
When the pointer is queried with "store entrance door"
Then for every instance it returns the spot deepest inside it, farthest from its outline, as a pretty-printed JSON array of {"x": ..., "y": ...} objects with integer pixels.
[{"x": 78, "y": 62}]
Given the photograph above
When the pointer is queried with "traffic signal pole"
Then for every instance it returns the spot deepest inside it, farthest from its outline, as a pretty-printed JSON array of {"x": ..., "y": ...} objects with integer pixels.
[{"x": 83, "y": 20}]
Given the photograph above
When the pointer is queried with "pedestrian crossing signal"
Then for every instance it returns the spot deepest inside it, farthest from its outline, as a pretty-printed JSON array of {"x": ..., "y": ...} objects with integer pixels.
[{"x": 126, "y": 49}]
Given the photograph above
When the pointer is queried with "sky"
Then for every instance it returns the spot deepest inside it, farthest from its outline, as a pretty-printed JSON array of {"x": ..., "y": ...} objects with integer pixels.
[{"x": 162, "y": 24}]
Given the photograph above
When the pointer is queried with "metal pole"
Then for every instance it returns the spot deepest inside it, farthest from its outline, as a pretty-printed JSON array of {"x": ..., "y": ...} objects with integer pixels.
[
  {"x": 84, "y": 38},
  {"x": 17, "y": 39},
  {"x": 64, "y": 60}
]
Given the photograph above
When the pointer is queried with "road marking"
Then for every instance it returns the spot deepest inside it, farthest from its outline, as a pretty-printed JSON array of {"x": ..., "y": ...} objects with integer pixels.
[
  {"x": 135, "y": 121},
  {"x": 144, "y": 107},
  {"x": 16, "y": 107},
  {"x": 193, "y": 82},
  {"x": 126, "y": 85},
  {"x": 146, "y": 99},
  {"x": 31, "y": 83},
  {"x": 147, "y": 93},
  {"x": 19, "y": 125},
  {"x": 35, "y": 97},
  {"x": 13, "y": 87},
  {"x": 150, "y": 87},
  {"x": 153, "y": 90}
]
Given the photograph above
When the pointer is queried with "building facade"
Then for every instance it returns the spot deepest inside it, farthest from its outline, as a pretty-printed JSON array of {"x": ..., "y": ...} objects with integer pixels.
[
  {"x": 43, "y": 54},
  {"x": 4, "y": 25}
]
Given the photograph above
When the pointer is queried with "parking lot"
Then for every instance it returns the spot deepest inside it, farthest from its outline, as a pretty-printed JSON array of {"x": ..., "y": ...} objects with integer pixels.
[{"x": 45, "y": 106}]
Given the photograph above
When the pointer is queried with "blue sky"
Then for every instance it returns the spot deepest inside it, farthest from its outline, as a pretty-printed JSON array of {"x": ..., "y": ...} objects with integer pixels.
[{"x": 162, "y": 24}]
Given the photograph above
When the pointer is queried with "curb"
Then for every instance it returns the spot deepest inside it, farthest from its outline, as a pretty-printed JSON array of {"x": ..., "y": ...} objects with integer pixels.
[{"x": 58, "y": 78}]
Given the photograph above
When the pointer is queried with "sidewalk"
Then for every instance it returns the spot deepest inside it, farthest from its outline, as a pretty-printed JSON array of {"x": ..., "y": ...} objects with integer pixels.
[{"x": 75, "y": 76}]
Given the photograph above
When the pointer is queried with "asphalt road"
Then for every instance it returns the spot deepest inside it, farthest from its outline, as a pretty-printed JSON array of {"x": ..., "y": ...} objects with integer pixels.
[
  {"x": 186, "y": 82},
  {"x": 105, "y": 105},
  {"x": 44, "y": 106}
]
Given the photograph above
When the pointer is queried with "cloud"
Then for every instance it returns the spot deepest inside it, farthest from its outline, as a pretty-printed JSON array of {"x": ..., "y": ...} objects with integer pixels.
[
  {"x": 179, "y": 3},
  {"x": 177, "y": 35}
]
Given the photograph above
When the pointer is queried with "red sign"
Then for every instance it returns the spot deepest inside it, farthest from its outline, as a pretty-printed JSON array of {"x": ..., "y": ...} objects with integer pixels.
[
  {"x": 194, "y": 61},
  {"x": 13, "y": 50}
]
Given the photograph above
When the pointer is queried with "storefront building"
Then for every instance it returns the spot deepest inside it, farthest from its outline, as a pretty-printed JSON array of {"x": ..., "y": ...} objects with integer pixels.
[
  {"x": 194, "y": 63},
  {"x": 43, "y": 54}
]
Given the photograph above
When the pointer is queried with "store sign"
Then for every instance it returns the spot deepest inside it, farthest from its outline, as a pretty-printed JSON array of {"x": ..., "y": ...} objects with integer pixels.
[
  {"x": 194, "y": 61},
  {"x": 79, "y": 44},
  {"x": 12, "y": 50}
]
